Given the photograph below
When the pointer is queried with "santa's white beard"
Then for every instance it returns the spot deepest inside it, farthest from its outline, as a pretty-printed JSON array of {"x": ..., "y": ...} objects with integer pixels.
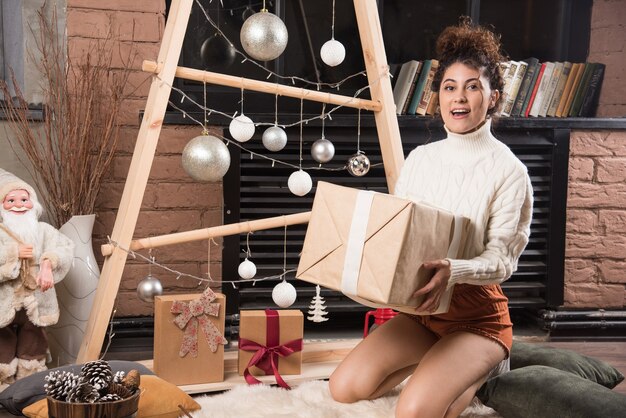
[{"x": 25, "y": 226}]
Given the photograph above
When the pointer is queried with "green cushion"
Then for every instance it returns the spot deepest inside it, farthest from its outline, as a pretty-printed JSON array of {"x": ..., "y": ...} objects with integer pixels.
[
  {"x": 523, "y": 354},
  {"x": 541, "y": 391}
]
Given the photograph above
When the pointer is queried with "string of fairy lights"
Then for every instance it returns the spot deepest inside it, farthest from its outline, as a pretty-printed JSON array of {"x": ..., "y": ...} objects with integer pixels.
[{"x": 206, "y": 157}]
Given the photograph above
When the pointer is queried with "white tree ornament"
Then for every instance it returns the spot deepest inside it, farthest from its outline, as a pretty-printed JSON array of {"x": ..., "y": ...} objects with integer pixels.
[{"x": 317, "y": 309}]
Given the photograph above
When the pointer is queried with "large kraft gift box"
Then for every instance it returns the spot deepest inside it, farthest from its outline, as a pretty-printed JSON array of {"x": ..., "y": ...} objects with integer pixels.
[
  {"x": 371, "y": 246},
  {"x": 205, "y": 312},
  {"x": 267, "y": 333}
]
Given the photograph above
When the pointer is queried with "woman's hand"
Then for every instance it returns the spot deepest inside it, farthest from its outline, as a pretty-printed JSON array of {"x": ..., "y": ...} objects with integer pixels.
[{"x": 437, "y": 285}]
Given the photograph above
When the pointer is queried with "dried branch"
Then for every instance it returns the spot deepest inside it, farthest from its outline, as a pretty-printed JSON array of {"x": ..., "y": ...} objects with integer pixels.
[{"x": 72, "y": 150}]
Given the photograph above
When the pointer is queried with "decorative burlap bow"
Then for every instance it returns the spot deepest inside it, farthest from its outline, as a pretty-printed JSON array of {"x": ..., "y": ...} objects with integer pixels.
[{"x": 194, "y": 313}]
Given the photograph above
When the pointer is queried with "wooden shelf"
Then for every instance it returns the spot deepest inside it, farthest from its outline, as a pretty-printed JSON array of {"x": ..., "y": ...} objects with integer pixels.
[{"x": 319, "y": 360}]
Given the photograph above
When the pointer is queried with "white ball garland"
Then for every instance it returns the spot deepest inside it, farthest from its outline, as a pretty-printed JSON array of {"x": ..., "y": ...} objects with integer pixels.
[
  {"x": 247, "y": 269},
  {"x": 300, "y": 183},
  {"x": 333, "y": 53},
  {"x": 284, "y": 294},
  {"x": 241, "y": 128}
]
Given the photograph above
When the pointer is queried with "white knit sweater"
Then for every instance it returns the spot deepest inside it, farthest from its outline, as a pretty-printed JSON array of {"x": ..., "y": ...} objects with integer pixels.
[{"x": 476, "y": 176}]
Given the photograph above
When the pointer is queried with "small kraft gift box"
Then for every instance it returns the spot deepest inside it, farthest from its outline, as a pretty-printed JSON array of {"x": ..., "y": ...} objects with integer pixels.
[
  {"x": 189, "y": 337},
  {"x": 371, "y": 246},
  {"x": 270, "y": 343}
]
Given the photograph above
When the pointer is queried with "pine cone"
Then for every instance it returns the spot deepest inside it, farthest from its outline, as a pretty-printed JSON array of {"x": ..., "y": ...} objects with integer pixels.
[
  {"x": 58, "y": 384},
  {"x": 132, "y": 380},
  {"x": 119, "y": 376},
  {"x": 110, "y": 397},
  {"x": 98, "y": 373},
  {"x": 119, "y": 390},
  {"x": 84, "y": 392}
]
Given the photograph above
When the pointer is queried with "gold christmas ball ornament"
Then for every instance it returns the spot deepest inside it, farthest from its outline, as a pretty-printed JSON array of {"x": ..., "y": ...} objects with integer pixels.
[
  {"x": 284, "y": 294},
  {"x": 300, "y": 183},
  {"x": 358, "y": 165},
  {"x": 264, "y": 36},
  {"x": 206, "y": 158},
  {"x": 333, "y": 53},
  {"x": 274, "y": 138},
  {"x": 241, "y": 128},
  {"x": 322, "y": 150},
  {"x": 148, "y": 288}
]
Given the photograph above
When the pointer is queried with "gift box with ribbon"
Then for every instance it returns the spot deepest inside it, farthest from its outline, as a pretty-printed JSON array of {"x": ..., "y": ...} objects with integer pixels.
[
  {"x": 270, "y": 343},
  {"x": 371, "y": 246},
  {"x": 189, "y": 337}
]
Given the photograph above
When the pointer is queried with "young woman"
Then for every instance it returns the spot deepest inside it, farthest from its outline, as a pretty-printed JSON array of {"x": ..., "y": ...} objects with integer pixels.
[{"x": 448, "y": 356}]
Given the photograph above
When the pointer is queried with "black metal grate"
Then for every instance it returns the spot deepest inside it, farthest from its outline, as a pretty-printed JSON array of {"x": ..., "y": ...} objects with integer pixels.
[{"x": 262, "y": 192}]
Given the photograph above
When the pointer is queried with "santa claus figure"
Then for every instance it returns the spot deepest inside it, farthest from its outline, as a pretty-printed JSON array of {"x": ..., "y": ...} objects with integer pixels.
[{"x": 33, "y": 257}]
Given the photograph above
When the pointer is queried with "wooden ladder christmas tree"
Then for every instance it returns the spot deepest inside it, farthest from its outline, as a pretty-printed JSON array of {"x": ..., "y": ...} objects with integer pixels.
[{"x": 165, "y": 69}]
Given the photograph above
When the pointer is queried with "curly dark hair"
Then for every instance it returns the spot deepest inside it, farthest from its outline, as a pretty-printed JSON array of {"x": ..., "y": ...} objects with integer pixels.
[{"x": 475, "y": 46}]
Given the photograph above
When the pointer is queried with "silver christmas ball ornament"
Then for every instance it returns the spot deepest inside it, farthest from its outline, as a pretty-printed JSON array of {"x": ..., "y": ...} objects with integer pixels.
[
  {"x": 264, "y": 36},
  {"x": 300, "y": 183},
  {"x": 333, "y": 53},
  {"x": 247, "y": 269},
  {"x": 241, "y": 128},
  {"x": 274, "y": 138},
  {"x": 358, "y": 165},
  {"x": 206, "y": 158},
  {"x": 323, "y": 150},
  {"x": 284, "y": 294},
  {"x": 148, "y": 288}
]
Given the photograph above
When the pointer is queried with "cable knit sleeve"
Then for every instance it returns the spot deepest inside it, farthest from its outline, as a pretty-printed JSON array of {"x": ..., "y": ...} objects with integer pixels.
[{"x": 506, "y": 235}]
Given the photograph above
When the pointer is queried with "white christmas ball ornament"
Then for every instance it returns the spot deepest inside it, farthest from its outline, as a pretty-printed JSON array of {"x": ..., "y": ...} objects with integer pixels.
[
  {"x": 247, "y": 269},
  {"x": 300, "y": 183},
  {"x": 264, "y": 36},
  {"x": 148, "y": 288},
  {"x": 284, "y": 294},
  {"x": 274, "y": 138},
  {"x": 241, "y": 128},
  {"x": 206, "y": 158},
  {"x": 333, "y": 53},
  {"x": 323, "y": 150}
]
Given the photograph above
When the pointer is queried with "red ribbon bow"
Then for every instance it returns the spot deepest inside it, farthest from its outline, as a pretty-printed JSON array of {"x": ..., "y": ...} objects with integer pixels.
[
  {"x": 193, "y": 313},
  {"x": 266, "y": 356}
]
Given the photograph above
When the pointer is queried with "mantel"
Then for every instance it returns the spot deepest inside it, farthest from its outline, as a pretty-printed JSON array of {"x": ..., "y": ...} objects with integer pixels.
[{"x": 344, "y": 120}]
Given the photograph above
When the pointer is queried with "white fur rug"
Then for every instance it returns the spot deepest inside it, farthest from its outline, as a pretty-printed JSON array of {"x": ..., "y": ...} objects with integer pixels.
[{"x": 309, "y": 400}]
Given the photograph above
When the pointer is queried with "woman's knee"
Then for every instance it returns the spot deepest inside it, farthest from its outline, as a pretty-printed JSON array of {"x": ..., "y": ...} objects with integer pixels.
[
  {"x": 415, "y": 405},
  {"x": 346, "y": 387}
]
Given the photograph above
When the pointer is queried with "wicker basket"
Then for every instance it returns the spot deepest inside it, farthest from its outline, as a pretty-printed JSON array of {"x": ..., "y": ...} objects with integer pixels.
[{"x": 125, "y": 408}]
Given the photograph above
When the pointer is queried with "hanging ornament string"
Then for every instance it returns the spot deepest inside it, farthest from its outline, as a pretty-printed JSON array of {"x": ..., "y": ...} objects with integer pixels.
[
  {"x": 205, "y": 131},
  {"x": 358, "y": 133},
  {"x": 271, "y": 73},
  {"x": 332, "y": 26},
  {"x": 285, "y": 253},
  {"x": 248, "y": 252},
  {"x": 135, "y": 255},
  {"x": 276, "y": 110},
  {"x": 241, "y": 101},
  {"x": 301, "y": 112},
  {"x": 323, "y": 117}
]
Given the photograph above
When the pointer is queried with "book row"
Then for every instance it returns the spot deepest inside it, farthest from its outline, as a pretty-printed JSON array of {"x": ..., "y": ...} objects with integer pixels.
[{"x": 531, "y": 88}]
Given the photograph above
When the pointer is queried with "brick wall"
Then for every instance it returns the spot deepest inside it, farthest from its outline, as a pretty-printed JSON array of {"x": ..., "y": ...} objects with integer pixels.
[
  {"x": 596, "y": 219},
  {"x": 595, "y": 266}
]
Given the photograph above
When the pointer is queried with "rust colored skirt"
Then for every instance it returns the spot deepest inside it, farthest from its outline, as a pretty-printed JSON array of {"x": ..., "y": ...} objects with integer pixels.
[{"x": 481, "y": 310}]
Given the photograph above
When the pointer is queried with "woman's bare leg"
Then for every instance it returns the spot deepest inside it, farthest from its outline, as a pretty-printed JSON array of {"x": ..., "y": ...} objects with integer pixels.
[
  {"x": 381, "y": 361},
  {"x": 455, "y": 364}
]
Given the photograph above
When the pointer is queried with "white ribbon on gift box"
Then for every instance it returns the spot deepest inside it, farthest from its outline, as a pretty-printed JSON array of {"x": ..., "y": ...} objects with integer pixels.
[{"x": 356, "y": 242}]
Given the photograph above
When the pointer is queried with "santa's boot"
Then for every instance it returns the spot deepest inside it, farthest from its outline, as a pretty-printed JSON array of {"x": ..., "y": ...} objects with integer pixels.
[
  {"x": 7, "y": 373},
  {"x": 28, "y": 367}
]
